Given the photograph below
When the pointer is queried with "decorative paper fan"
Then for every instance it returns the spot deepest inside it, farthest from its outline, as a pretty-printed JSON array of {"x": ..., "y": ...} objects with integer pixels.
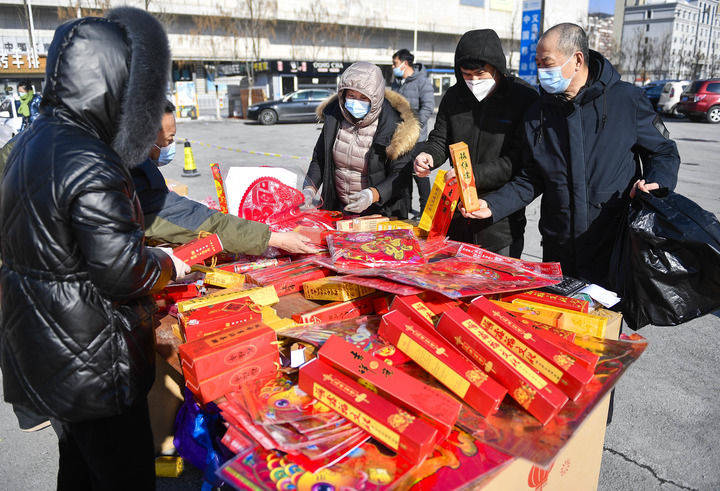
[{"x": 267, "y": 196}]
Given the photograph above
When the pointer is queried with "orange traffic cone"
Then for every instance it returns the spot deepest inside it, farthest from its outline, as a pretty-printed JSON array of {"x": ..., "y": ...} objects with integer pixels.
[{"x": 190, "y": 169}]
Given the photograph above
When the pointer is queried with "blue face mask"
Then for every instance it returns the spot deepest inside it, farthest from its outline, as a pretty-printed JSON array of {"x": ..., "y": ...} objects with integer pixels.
[
  {"x": 398, "y": 71},
  {"x": 552, "y": 80},
  {"x": 357, "y": 108},
  {"x": 167, "y": 154}
]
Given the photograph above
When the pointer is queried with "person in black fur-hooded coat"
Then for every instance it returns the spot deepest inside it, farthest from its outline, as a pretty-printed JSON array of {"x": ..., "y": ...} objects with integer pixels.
[{"x": 76, "y": 336}]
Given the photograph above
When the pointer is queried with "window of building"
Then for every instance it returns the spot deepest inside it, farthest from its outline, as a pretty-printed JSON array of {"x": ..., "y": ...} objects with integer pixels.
[
  {"x": 649, "y": 14},
  {"x": 647, "y": 27}
]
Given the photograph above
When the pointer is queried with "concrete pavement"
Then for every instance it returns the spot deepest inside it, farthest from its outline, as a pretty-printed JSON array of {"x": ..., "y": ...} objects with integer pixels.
[{"x": 667, "y": 419}]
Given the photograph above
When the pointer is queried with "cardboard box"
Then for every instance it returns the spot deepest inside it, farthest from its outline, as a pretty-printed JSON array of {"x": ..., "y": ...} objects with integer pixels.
[
  {"x": 556, "y": 365},
  {"x": 338, "y": 311},
  {"x": 333, "y": 288},
  {"x": 578, "y": 322},
  {"x": 199, "y": 249},
  {"x": 387, "y": 422},
  {"x": 176, "y": 187},
  {"x": 440, "y": 409},
  {"x": 213, "y": 355},
  {"x": 265, "y": 295},
  {"x": 416, "y": 310},
  {"x": 545, "y": 298},
  {"x": 219, "y": 277},
  {"x": 361, "y": 224},
  {"x": 531, "y": 390},
  {"x": 215, "y": 387},
  {"x": 443, "y": 361},
  {"x": 208, "y": 320},
  {"x": 460, "y": 156}
]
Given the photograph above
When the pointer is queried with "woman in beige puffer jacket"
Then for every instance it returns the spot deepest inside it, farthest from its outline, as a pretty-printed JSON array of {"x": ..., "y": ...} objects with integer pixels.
[{"x": 366, "y": 142}]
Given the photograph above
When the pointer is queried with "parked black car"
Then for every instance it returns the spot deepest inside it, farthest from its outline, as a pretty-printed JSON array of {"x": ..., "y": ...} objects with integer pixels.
[{"x": 296, "y": 107}]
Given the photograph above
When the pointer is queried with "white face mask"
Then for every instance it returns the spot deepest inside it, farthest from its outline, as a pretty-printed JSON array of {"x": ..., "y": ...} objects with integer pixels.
[{"x": 481, "y": 88}]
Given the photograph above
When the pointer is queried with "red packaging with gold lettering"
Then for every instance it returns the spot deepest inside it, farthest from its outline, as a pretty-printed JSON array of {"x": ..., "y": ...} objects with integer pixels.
[
  {"x": 198, "y": 250},
  {"x": 416, "y": 310},
  {"x": 554, "y": 364},
  {"x": 569, "y": 303},
  {"x": 208, "y": 390},
  {"x": 244, "y": 266},
  {"x": 338, "y": 311},
  {"x": 213, "y": 318},
  {"x": 438, "y": 303},
  {"x": 440, "y": 409},
  {"x": 531, "y": 390},
  {"x": 389, "y": 423},
  {"x": 212, "y": 355},
  {"x": 443, "y": 361},
  {"x": 288, "y": 278}
]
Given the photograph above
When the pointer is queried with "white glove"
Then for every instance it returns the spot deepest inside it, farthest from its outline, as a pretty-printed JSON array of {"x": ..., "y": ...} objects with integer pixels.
[
  {"x": 359, "y": 201},
  {"x": 309, "y": 194},
  {"x": 181, "y": 269}
]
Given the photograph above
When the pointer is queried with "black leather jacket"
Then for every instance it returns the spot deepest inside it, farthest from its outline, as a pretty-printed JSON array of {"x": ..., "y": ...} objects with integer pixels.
[{"x": 76, "y": 335}]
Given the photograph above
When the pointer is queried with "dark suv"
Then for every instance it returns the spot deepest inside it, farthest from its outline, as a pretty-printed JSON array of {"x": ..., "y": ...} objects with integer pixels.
[{"x": 701, "y": 100}]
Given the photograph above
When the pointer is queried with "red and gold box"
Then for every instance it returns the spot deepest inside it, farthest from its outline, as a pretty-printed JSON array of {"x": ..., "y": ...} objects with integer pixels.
[
  {"x": 583, "y": 357},
  {"x": 416, "y": 310},
  {"x": 215, "y": 387},
  {"x": 395, "y": 225},
  {"x": 334, "y": 289},
  {"x": 531, "y": 390},
  {"x": 529, "y": 321},
  {"x": 389, "y": 423},
  {"x": 339, "y": 311},
  {"x": 550, "y": 319},
  {"x": 569, "y": 303},
  {"x": 244, "y": 267},
  {"x": 219, "y": 277},
  {"x": 438, "y": 303},
  {"x": 554, "y": 364},
  {"x": 264, "y": 295},
  {"x": 367, "y": 223},
  {"x": 199, "y": 249},
  {"x": 212, "y": 355},
  {"x": 443, "y": 361},
  {"x": 460, "y": 156},
  {"x": 440, "y": 409},
  {"x": 381, "y": 305},
  {"x": 288, "y": 278},
  {"x": 176, "y": 293},
  {"x": 208, "y": 320}
]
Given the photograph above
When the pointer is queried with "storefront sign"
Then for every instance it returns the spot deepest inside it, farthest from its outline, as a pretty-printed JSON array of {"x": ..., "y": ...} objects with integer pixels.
[
  {"x": 21, "y": 63},
  {"x": 531, "y": 25}
]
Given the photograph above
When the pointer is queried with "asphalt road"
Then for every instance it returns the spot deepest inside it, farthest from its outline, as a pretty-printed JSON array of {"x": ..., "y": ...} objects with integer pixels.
[{"x": 666, "y": 425}]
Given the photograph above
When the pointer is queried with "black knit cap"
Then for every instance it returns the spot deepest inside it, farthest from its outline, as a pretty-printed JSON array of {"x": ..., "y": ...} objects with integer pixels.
[{"x": 480, "y": 45}]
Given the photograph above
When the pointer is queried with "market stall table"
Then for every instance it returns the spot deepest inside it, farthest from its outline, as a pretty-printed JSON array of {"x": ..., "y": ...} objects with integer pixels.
[{"x": 577, "y": 465}]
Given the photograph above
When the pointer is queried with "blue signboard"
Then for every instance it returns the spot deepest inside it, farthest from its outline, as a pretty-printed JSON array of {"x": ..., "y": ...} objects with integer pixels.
[{"x": 531, "y": 15}]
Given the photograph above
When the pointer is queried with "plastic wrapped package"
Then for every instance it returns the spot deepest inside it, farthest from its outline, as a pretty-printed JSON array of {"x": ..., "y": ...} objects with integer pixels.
[{"x": 375, "y": 249}]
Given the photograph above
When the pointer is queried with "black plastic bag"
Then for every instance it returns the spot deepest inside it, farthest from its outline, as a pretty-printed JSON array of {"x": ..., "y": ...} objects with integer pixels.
[{"x": 666, "y": 261}]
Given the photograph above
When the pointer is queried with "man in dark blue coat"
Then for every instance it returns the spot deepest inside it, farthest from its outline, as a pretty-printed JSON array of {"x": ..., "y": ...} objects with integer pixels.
[{"x": 590, "y": 142}]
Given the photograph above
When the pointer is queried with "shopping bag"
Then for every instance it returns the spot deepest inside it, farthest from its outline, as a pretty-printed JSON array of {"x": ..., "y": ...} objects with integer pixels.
[{"x": 666, "y": 260}]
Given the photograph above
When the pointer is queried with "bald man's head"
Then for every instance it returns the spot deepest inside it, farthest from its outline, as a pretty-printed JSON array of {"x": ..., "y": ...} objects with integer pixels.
[{"x": 565, "y": 39}]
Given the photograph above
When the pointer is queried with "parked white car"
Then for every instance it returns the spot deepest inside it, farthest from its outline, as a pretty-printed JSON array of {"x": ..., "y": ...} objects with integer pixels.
[{"x": 670, "y": 97}]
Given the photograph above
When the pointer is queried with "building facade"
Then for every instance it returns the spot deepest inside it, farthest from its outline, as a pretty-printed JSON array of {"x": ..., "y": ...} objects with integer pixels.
[
  {"x": 671, "y": 40},
  {"x": 282, "y": 45},
  {"x": 600, "y": 33}
]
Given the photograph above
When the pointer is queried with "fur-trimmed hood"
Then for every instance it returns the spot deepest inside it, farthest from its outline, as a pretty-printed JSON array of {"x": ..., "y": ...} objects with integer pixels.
[
  {"x": 109, "y": 75},
  {"x": 407, "y": 132}
]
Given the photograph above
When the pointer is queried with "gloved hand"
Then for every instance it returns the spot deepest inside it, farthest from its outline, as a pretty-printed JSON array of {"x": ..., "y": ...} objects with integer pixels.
[
  {"x": 181, "y": 269},
  {"x": 309, "y": 194},
  {"x": 359, "y": 201}
]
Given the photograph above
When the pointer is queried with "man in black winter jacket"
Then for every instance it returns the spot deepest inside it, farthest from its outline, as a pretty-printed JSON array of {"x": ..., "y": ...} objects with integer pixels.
[
  {"x": 591, "y": 141},
  {"x": 484, "y": 109},
  {"x": 76, "y": 336}
]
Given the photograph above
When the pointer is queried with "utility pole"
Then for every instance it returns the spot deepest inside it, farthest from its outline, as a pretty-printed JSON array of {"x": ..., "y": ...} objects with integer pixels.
[
  {"x": 31, "y": 29},
  {"x": 415, "y": 27}
]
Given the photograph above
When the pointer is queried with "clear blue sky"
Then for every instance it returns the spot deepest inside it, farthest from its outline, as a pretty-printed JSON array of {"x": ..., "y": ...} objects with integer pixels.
[{"x": 607, "y": 6}]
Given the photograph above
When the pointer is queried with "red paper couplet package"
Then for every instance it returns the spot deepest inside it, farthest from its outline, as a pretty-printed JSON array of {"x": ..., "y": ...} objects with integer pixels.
[
  {"x": 443, "y": 361},
  {"x": 288, "y": 278},
  {"x": 416, "y": 310},
  {"x": 338, "y": 311},
  {"x": 212, "y": 355},
  {"x": 215, "y": 387},
  {"x": 401, "y": 431},
  {"x": 530, "y": 389},
  {"x": 219, "y": 187},
  {"x": 244, "y": 267},
  {"x": 569, "y": 303},
  {"x": 199, "y": 249},
  {"x": 375, "y": 249},
  {"x": 208, "y": 320},
  {"x": 460, "y": 156},
  {"x": 440, "y": 409},
  {"x": 554, "y": 364}
]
